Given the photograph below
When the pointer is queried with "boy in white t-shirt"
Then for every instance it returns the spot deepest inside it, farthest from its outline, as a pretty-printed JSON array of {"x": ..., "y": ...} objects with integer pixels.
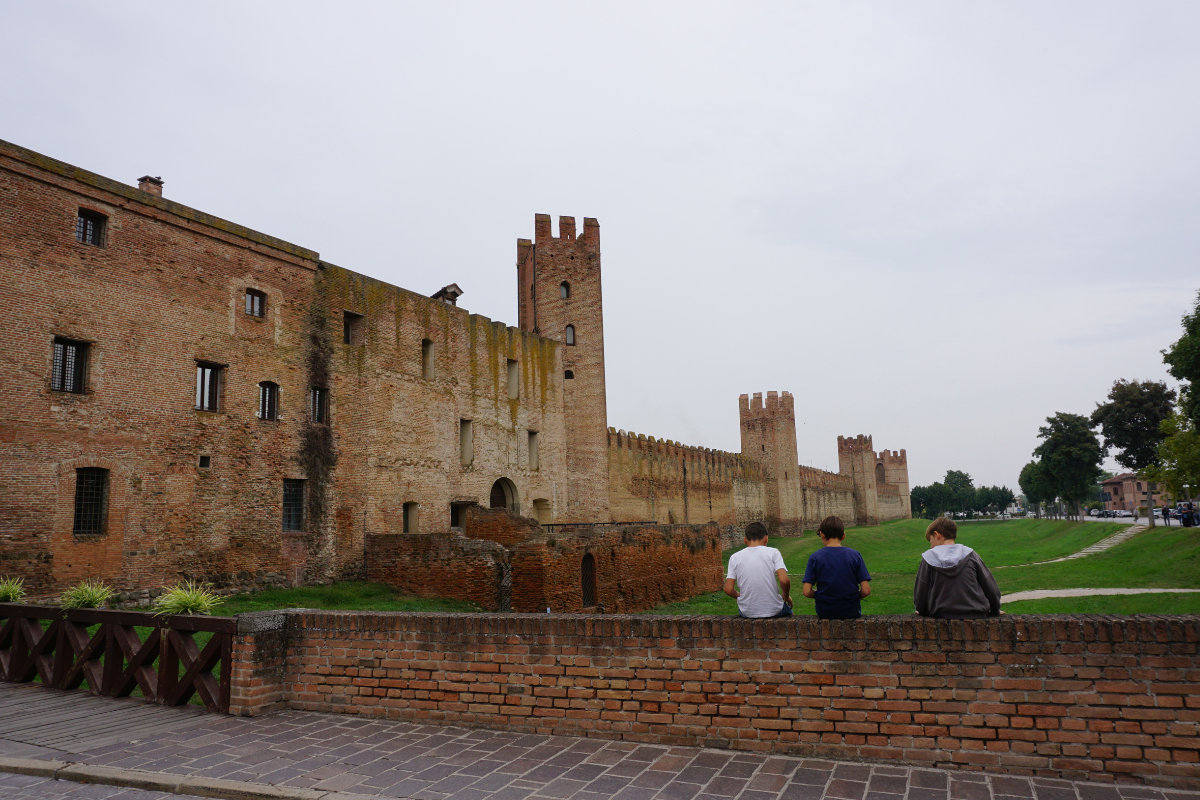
[{"x": 751, "y": 578}]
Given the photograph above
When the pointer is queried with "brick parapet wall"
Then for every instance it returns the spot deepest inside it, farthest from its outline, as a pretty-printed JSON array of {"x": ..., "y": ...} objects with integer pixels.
[{"x": 1076, "y": 697}]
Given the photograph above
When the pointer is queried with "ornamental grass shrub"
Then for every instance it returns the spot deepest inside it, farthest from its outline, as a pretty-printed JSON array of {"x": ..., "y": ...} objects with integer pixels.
[
  {"x": 91, "y": 593},
  {"x": 187, "y": 598},
  {"x": 12, "y": 590}
]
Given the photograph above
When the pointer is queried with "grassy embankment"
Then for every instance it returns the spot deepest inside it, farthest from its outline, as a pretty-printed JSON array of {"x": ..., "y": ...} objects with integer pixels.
[{"x": 892, "y": 552}]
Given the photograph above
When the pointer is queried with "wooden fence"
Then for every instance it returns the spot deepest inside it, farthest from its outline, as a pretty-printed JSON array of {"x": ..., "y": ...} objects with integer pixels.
[{"x": 169, "y": 667}]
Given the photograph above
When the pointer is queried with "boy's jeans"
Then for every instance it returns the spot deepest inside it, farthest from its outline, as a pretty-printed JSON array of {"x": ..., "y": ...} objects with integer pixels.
[{"x": 786, "y": 612}]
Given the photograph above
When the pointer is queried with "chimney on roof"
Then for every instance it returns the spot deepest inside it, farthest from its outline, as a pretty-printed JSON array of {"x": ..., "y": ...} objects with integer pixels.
[
  {"x": 448, "y": 294},
  {"x": 151, "y": 185}
]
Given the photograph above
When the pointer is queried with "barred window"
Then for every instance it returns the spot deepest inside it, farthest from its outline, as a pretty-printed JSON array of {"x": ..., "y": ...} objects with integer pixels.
[
  {"x": 91, "y": 501},
  {"x": 318, "y": 404},
  {"x": 89, "y": 228},
  {"x": 256, "y": 303},
  {"x": 67, "y": 371},
  {"x": 208, "y": 386},
  {"x": 293, "y": 505},
  {"x": 268, "y": 400}
]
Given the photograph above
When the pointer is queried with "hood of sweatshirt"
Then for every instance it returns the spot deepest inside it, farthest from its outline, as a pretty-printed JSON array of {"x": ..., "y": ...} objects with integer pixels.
[{"x": 947, "y": 556}]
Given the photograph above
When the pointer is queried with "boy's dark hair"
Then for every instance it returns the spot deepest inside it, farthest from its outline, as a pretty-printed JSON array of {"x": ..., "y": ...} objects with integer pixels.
[
  {"x": 832, "y": 528},
  {"x": 945, "y": 527},
  {"x": 756, "y": 532}
]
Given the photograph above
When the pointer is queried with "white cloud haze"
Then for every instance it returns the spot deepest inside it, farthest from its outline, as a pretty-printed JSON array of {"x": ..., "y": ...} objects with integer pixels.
[{"x": 937, "y": 223}]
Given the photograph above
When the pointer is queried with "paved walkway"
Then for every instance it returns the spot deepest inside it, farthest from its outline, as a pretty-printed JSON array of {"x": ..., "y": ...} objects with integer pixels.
[
  {"x": 295, "y": 754},
  {"x": 1041, "y": 594},
  {"x": 1098, "y": 547}
]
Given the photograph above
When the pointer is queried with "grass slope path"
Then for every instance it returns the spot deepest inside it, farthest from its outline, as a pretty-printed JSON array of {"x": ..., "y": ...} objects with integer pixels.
[{"x": 1098, "y": 547}]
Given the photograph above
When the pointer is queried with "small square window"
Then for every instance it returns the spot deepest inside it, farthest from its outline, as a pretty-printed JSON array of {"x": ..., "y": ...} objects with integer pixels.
[
  {"x": 69, "y": 366},
  {"x": 353, "y": 328},
  {"x": 208, "y": 386},
  {"x": 91, "y": 501},
  {"x": 293, "y": 505},
  {"x": 256, "y": 303},
  {"x": 89, "y": 227},
  {"x": 205, "y": 462},
  {"x": 318, "y": 404}
]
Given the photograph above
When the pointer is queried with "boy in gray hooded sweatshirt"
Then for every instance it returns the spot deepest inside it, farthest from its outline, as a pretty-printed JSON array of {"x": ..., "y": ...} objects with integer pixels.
[{"x": 953, "y": 582}]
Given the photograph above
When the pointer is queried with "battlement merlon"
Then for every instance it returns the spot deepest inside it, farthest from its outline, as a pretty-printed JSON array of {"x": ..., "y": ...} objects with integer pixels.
[
  {"x": 896, "y": 457},
  {"x": 543, "y": 231},
  {"x": 857, "y": 444},
  {"x": 778, "y": 404}
]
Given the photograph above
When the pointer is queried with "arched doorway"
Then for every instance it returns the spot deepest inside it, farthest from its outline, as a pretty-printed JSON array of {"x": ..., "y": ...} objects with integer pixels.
[
  {"x": 587, "y": 578},
  {"x": 879, "y": 474},
  {"x": 504, "y": 495}
]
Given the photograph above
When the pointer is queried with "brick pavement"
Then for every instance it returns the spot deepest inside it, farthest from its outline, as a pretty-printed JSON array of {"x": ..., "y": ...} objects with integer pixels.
[
  {"x": 426, "y": 762},
  {"x": 28, "y": 787}
]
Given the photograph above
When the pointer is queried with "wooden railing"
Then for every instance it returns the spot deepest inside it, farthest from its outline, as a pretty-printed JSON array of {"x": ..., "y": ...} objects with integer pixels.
[{"x": 168, "y": 667}]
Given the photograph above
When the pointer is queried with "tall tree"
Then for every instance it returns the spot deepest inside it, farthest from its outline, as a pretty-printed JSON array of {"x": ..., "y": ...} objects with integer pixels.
[
  {"x": 1035, "y": 484},
  {"x": 1131, "y": 420},
  {"x": 1178, "y": 457},
  {"x": 1183, "y": 362},
  {"x": 1070, "y": 455}
]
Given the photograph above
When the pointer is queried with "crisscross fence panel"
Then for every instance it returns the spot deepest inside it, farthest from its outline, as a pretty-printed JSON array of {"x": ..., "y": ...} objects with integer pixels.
[{"x": 104, "y": 649}]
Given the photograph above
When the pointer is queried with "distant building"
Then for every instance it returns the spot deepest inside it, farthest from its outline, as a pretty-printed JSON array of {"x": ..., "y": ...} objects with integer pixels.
[{"x": 1127, "y": 492}]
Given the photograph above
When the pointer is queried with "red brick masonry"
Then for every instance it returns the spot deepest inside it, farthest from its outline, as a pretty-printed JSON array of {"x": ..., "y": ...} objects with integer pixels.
[{"x": 1077, "y": 697}]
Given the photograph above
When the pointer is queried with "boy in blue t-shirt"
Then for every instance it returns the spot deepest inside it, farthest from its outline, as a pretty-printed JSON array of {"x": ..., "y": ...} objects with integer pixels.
[{"x": 839, "y": 574}]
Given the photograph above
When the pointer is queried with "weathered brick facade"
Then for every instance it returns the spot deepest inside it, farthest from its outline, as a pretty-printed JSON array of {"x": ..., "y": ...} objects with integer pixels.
[
  {"x": 1076, "y": 697},
  {"x": 395, "y": 410}
]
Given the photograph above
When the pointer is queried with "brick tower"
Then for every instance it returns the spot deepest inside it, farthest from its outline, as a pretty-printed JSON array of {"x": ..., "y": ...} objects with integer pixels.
[
  {"x": 895, "y": 471},
  {"x": 769, "y": 437},
  {"x": 558, "y": 281},
  {"x": 856, "y": 458}
]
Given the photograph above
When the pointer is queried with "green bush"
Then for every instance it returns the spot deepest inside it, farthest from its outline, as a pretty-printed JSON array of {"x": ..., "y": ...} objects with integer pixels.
[
  {"x": 187, "y": 598},
  {"x": 87, "y": 594},
  {"x": 12, "y": 590}
]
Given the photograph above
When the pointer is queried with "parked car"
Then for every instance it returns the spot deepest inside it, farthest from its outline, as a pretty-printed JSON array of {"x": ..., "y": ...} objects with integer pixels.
[{"x": 1095, "y": 512}]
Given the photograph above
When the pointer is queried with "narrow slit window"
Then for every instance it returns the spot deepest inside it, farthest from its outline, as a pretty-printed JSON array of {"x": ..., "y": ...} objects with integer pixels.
[
  {"x": 256, "y": 303},
  {"x": 466, "y": 444},
  {"x": 89, "y": 228},
  {"x": 208, "y": 386},
  {"x": 410, "y": 518},
  {"x": 564, "y": 290},
  {"x": 570, "y": 334},
  {"x": 91, "y": 501},
  {"x": 268, "y": 400},
  {"x": 587, "y": 578},
  {"x": 68, "y": 370},
  {"x": 353, "y": 327},
  {"x": 318, "y": 404},
  {"x": 533, "y": 450},
  {"x": 427, "y": 362},
  {"x": 293, "y": 505},
  {"x": 514, "y": 379}
]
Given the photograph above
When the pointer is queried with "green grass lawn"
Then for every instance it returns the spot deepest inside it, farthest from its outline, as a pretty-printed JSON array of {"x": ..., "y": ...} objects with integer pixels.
[
  {"x": 893, "y": 551},
  {"x": 349, "y": 596}
]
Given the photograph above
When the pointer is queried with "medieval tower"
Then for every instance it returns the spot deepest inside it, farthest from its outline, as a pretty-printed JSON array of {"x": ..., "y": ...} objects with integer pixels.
[{"x": 558, "y": 280}]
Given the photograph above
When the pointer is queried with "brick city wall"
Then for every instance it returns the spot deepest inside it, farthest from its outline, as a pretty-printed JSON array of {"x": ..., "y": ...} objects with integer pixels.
[
  {"x": 1076, "y": 697},
  {"x": 636, "y": 567},
  {"x": 445, "y": 564},
  {"x": 659, "y": 481}
]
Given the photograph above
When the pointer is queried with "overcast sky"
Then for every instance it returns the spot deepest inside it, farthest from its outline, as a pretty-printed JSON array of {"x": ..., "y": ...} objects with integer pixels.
[{"x": 937, "y": 223}]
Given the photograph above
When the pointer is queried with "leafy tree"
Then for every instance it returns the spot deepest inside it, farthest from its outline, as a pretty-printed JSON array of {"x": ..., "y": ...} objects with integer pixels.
[
  {"x": 1035, "y": 484},
  {"x": 1070, "y": 456},
  {"x": 1178, "y": 456},
  {"x": 930, "y": 501},
  {"x": 1183, "y": 362},
  {"x": 1131, "y": 420},
  {"x": 956, "y": 481}
]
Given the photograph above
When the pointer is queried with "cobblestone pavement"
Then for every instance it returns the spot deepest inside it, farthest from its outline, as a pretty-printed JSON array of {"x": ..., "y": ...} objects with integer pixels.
[
  {"x": 425, "y": 762},
  {"x": 27, "y": 787}
]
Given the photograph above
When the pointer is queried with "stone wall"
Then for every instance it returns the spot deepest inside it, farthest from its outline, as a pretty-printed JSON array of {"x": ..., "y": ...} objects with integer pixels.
[
  {"x": 1075, "y": 697},
  {"x": 444, "y": 564}
]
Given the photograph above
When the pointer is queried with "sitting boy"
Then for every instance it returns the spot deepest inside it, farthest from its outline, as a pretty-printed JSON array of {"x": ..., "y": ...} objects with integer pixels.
[
  {"x": 754, "y": 570},
  {"x": 953, "y": 582},
  {"x": 839, "y": 574}
]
